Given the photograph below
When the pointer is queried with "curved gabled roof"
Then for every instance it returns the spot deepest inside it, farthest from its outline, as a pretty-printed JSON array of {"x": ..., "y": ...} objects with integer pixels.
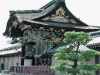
[
  {"x": 43, "y": 11},
  {"x": 32, "y": 14},
  {"x": 47, "y": 10}
]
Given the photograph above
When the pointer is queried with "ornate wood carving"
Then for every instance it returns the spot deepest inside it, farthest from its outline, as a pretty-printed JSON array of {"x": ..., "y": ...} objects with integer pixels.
[
  {"x": 23, "y": 27},
  {"x": 14, "y": 23},
  {"x": 60, "y": 16},
  {"x": 37, "y": 35}
]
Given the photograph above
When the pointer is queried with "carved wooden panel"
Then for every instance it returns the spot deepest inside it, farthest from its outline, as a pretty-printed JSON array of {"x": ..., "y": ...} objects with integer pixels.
[
  {"x": 60, "y": 16},
  {"x": 30, "y": 50}
]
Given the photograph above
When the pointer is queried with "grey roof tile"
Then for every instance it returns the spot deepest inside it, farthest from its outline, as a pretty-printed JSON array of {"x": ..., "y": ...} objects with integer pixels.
[
  {"x": 32, "y": 15},
  {"x": 54, "y": 49},
  {"x": 11, "y": 50},
  {"x": 95, "y": 34},
  {"x": 94, "y": 42}
]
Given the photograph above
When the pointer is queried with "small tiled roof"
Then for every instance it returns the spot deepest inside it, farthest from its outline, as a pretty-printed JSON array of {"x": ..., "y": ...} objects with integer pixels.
[
  {"x": 94, "y": 45},
  {"x": 96, "y": 39},
  {"x": 95, "y": 34},
  {"x": 54, "y": 49},
  {"x": 11, "y": 50},
  {"x": 13, "y": 41},
  {"x": 95, "y": 42}
]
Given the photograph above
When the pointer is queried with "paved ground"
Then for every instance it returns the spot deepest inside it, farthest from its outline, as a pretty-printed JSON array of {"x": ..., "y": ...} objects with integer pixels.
[{"x": 4, "y": 74}]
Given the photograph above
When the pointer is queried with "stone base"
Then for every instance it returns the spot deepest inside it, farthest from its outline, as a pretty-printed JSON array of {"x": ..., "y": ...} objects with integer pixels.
[{"x": 4, "y": 72}]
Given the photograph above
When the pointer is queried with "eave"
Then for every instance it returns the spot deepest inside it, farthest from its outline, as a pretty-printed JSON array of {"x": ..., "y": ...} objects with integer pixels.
[
  {"x": 95, "y": 43},
  {"x": 60, "y": 25},
  {"x": 11, "y": 51},
  {"x": 95, "y": 34},
  {"x": 47, "y": 25}
]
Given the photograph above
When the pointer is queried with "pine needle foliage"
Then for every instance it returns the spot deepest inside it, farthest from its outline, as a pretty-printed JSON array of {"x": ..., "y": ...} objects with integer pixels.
[{"x": 73, "y": 61}]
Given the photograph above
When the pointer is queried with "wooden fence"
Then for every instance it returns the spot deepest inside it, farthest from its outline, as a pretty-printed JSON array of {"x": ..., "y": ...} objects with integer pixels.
[{"x": 32, "y": 70}]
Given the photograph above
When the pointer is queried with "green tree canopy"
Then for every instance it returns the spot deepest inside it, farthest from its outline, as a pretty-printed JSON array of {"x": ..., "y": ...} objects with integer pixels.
[{"x": 77, "y": 62}]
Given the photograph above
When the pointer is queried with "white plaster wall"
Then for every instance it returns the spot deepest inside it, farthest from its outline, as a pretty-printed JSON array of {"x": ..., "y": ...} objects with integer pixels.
[
  {"x": 92, "y": 61},
  {"x": 55, "y": 63},
  {"x": 27, "y": 62},
  {"x": 15, "y": 60},
  {"x": 10, "y": 61}
]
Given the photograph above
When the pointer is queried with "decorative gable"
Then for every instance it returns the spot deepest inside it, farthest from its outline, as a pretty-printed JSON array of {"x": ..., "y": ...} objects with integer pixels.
[{"x": 60, "y": 16}]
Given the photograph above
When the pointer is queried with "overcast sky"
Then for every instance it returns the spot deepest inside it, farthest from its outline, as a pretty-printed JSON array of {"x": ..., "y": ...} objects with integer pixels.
[{"x": 87, "y": 10}]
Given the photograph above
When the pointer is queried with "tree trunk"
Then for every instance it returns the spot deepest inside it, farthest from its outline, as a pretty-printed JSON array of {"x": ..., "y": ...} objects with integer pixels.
[
  {"x": 75, "y": 60},
  {"x": 75, "y": 65}
]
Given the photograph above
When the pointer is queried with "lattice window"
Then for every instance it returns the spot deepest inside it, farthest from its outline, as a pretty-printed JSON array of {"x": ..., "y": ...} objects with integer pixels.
[{"x": 44, "y": 61}]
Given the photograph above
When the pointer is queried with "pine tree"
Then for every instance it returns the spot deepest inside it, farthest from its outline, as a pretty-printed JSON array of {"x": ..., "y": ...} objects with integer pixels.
[{"x": 77, "y": 61}]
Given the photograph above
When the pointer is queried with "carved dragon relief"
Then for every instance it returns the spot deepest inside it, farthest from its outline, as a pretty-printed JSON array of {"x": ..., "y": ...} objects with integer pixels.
[{"x": 60, "y": 17}]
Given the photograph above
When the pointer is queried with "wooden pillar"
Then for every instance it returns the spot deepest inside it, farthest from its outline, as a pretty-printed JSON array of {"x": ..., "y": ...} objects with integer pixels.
[
  {"x": 33, "y": 60},
  {"x": 22, "y": 61},
  {"x": 97, "y": 62},
  {"x": 22, "y": 55},
  {"x": 12, "y": 59}
]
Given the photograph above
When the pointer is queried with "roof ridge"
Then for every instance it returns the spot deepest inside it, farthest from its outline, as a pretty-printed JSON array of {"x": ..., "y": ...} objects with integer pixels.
[
  {"x": 48, "y": 4},
  {"x": 59, "y": 0},
  {"x": 51, "y": 2},
  {"x": 24, "y": 11}
]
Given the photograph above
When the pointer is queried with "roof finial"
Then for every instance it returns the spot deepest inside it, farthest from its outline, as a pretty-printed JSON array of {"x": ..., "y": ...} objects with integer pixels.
[{"x": 59, "y": 0}]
